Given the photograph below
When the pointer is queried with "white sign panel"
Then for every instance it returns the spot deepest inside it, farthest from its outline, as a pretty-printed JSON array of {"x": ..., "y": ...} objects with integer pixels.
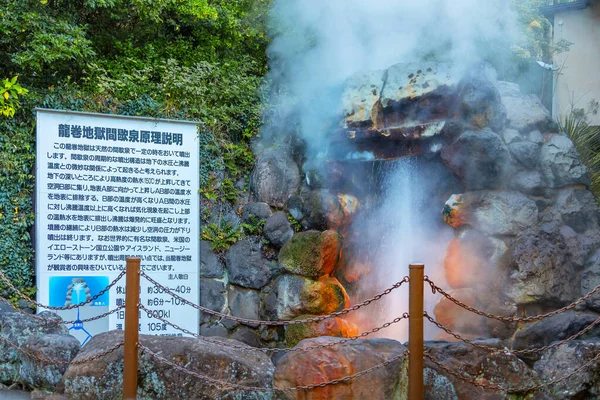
[{"x": 108, "y": 188}]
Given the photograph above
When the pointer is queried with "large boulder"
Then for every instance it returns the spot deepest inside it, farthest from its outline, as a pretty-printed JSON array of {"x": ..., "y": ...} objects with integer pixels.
[
  {"x": 275, "y": 177},
  {"x": 590, "y": 278},
  {"x": 290, "y": 296},
  {"x": 526, "y": 153},
  {"x": 335, "y": 327},
  {"x": 524, "y": 112},
  {"x": 541, "y": 270},
  {"x": 479, "y": 101},
  {"x": 407, "y": 101},
  {"x": 102, "y": 378},
  {"x": 243, "y": 303},
  {"x": 560, "y": 164},
  {"x": 528, "y": 182},
  {"x": 210, "y": 265},
  {"x": 311, "y": 254},
  {"x": 325, "y": 210},
  {"x": 278, "y": 229},
  {"x": 494, "y": 213},
  {"x": 558, "y": 327},
  {"x": 43, "y": 335},
  {"x": 54, "y": 352},
  {"x": 565, "y": 359},
  {"x": 247, "y": 266},
  {"x": 480, "y": 159},
  {"x": 471, "y": 259},
  {"x": 325, "y": 364},
  {"x": 499, "y": 368},
  {"x": 212, "y": 296},
  {"x": 576, "y": 208},
  {"x": 256, "y": 211},
  {"x": 457, "y": 318},
  {"x": 360, "y": 100}
]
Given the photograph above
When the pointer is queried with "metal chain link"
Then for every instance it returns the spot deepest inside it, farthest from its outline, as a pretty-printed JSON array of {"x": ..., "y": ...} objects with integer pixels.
[
  {"x": 220, "y": 383},
  {"x": 31, "y": 355},
  {"x": 58, "y": 362},
  {"x": 106, "y": 314},
  {"x": 275, "y": 349},
  {"x": 436, "y": 289},
  {"x": 40, "y": 305},
  {"x": 498, "y": 388},
  {"x": 99, "y": 355},
  {"x": 509, "y": 351},
  {"x": 280, "y": 322},
  {"x": 43, "y": 320}
]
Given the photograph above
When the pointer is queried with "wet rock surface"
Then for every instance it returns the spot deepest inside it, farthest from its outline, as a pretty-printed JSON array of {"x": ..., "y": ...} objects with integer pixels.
[
  {"x": 311, "y": 254},
  {"x": 247, "y": 266},
  {"x": 278, "y": 229},
  {"x": 102, "y": 378},
  {"x": 45, "y": 336},
  {"x": 321, "y": 365}
]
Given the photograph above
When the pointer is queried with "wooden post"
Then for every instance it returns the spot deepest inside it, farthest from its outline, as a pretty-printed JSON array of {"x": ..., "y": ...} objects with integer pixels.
[
  {"x": 130, "y": 349},
  {"x": 415, "y": 332}
]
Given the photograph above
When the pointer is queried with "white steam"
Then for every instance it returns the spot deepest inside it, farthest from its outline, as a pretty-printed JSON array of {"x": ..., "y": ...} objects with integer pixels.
[{"x": 318, "y": 44}]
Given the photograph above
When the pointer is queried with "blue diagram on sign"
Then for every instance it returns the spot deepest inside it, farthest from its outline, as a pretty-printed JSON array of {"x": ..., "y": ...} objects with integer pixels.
[{"x": 77, "y": 290}]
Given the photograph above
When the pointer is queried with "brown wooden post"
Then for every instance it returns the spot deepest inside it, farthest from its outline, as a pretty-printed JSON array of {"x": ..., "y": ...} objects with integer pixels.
[
  {"x": 415, "y": 332},
  {"x": 130, "y": 349}
]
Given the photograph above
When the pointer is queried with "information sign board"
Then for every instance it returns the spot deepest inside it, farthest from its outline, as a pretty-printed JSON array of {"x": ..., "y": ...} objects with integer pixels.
[{"x": 110, "y": 187}]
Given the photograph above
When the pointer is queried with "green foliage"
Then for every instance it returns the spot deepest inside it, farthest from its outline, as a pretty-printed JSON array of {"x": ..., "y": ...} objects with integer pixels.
[
  {"x": 295, "y": 224},
  {"x": 17, "y": 156},
  {"x": 254, "y": 227},
  {"x": 9, "y": 96},
  {"x": 199, "y": 60},
  {"x": 221, "y": 236}
]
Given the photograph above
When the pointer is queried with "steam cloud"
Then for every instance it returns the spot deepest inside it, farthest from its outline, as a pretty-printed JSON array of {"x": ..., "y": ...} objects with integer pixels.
[{"x": 317, "y": 45}]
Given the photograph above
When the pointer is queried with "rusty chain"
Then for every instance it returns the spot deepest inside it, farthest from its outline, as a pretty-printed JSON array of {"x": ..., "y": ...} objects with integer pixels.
[
  {"x": 49, "y": 361},
  {"x": 510, "y": 351},
  {"x": 220, "y": 383},
  {"x": 106, "y": 314},
  {"x": 280, "y": 322},
  {"x": 39, "y": 305},
  {"x": 99, "y": 355},
  {"x": 275, "y": 349},
  {"x": 497, "y": 388},
  {"x": 436, "y": 289}
]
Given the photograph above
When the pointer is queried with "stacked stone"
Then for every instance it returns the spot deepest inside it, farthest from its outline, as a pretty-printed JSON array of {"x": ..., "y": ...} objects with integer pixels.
[
  {"x": 527, "y": 227},
  {"x": 299, "y": 283}
]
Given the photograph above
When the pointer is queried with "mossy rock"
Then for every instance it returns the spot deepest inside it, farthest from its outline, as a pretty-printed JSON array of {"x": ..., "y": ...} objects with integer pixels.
[
  {"x": 311, "y": 254},
  {"x": 336, "y": 327},
  {"x": 325, "y": 296}
]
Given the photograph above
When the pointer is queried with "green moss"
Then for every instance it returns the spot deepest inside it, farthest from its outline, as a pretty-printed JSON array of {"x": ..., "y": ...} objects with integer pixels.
[
  {"x": 311, "y": 254},
  {"x": 298, "y": 332}
]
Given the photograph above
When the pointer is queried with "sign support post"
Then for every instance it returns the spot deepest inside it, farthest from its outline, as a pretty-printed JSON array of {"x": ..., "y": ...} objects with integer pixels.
[
  {"x": 415, "y": 332},
  {"x": 130, "y": 348}
]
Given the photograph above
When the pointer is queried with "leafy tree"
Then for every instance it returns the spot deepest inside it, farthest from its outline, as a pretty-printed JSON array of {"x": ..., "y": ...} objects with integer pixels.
[{"x": 185, "y": 59}]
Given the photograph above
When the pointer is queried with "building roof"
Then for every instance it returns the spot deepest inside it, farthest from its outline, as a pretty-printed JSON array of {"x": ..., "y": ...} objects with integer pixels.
[{"x": 558, "y": 6}]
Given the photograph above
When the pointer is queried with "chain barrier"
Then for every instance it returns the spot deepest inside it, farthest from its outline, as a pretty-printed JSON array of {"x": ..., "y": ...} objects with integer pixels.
[
  {"x": 106, "y": 314},
  {"x": 436, "y": 289},
  {"x": 39, "y": 305},
  {"x": 49, "y": 361},
  {"x": 279, "y": 322},
  {"x": 99, "y": 355},
  {"x": 220, "y": 383},
  {"x": 275, "y": 349},
  {"x": 509, "y": 351},
  {"x": 498, "y": 388}
]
